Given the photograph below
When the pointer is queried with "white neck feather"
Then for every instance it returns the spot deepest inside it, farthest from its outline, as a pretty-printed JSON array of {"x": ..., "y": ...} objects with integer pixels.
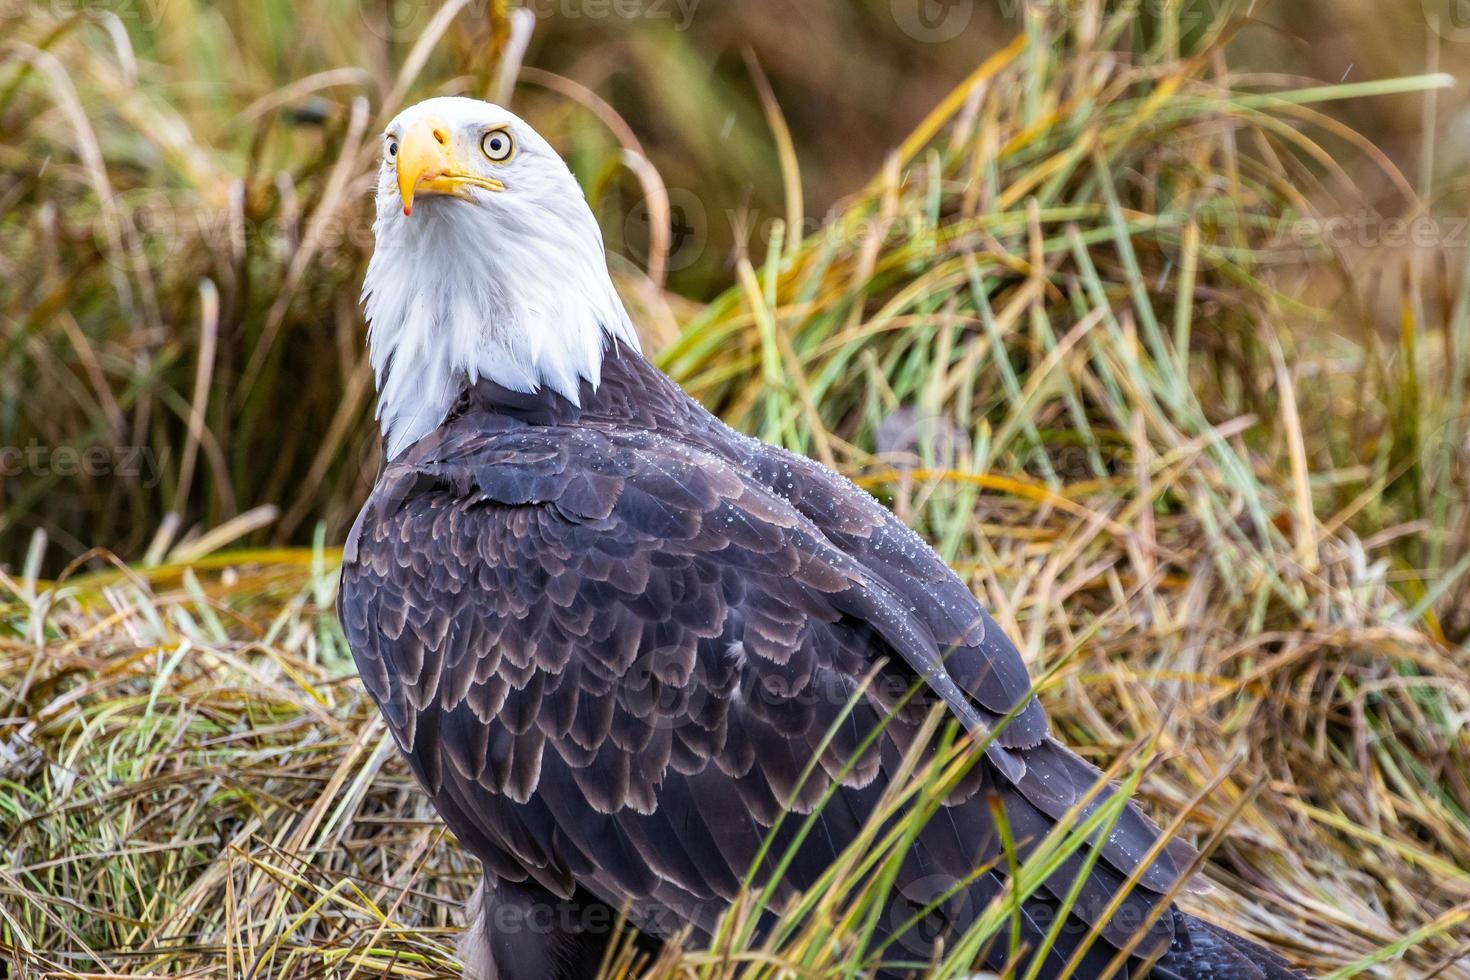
[{"x": 520, "y": 296}]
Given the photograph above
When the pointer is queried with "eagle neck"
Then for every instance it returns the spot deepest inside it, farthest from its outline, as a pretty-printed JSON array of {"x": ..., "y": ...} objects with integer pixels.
[
  {"x": 630, "y": 392},
  {"x": 454, "y": 298}
]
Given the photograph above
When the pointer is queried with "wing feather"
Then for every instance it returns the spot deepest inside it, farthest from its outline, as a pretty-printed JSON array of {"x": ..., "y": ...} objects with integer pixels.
[{"x": 611, "y": 657}]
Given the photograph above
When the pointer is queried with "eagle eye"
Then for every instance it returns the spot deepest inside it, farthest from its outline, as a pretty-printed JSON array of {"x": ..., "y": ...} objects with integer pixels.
[{"x": 498, "y": 145}]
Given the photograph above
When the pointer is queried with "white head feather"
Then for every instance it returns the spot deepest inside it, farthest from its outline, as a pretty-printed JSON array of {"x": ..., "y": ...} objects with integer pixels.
[{"x": 509, "y": 285}]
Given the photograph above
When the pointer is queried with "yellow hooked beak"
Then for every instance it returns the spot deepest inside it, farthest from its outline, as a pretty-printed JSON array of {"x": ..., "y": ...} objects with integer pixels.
[{"x": 428, "y": 163}]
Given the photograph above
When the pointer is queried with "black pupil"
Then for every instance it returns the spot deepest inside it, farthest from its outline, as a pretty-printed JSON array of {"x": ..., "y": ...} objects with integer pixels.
[
  {"x": 392, "y": 149},
  {"x": 495, "y": 144}
]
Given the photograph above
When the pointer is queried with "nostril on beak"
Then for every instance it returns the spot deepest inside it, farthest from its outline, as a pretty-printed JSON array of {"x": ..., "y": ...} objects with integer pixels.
[{"x": 441, "y": 136}]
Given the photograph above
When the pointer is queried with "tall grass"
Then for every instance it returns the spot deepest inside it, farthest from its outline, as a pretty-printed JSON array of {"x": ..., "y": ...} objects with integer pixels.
[{"x": 1085, "y": 326}]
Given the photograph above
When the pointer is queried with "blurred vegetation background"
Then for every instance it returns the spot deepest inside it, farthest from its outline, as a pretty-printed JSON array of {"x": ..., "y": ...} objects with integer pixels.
[{"x": 1152, "y": 316}]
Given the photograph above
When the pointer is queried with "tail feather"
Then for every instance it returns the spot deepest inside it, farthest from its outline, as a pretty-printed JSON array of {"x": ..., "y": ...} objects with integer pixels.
[{"x": 1201, "y": 951}]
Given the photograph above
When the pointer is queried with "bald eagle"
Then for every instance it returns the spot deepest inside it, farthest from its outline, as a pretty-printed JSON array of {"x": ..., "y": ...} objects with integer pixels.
[{"x": 610, "y": 634}]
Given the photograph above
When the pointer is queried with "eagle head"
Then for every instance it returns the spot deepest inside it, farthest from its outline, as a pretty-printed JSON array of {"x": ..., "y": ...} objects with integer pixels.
[{"x": 487, "y": 263}]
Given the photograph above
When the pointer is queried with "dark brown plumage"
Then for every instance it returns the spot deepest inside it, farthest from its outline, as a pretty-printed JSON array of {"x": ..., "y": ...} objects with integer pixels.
[{"x": 609, "y": 638}]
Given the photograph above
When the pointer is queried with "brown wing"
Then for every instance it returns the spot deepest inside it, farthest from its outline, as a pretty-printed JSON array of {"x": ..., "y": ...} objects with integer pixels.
[{"x": 609, "y": 655}]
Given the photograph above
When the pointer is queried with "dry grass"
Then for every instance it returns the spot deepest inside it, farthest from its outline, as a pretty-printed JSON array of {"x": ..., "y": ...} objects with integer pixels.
[{"x": 1065, "y": 329}]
